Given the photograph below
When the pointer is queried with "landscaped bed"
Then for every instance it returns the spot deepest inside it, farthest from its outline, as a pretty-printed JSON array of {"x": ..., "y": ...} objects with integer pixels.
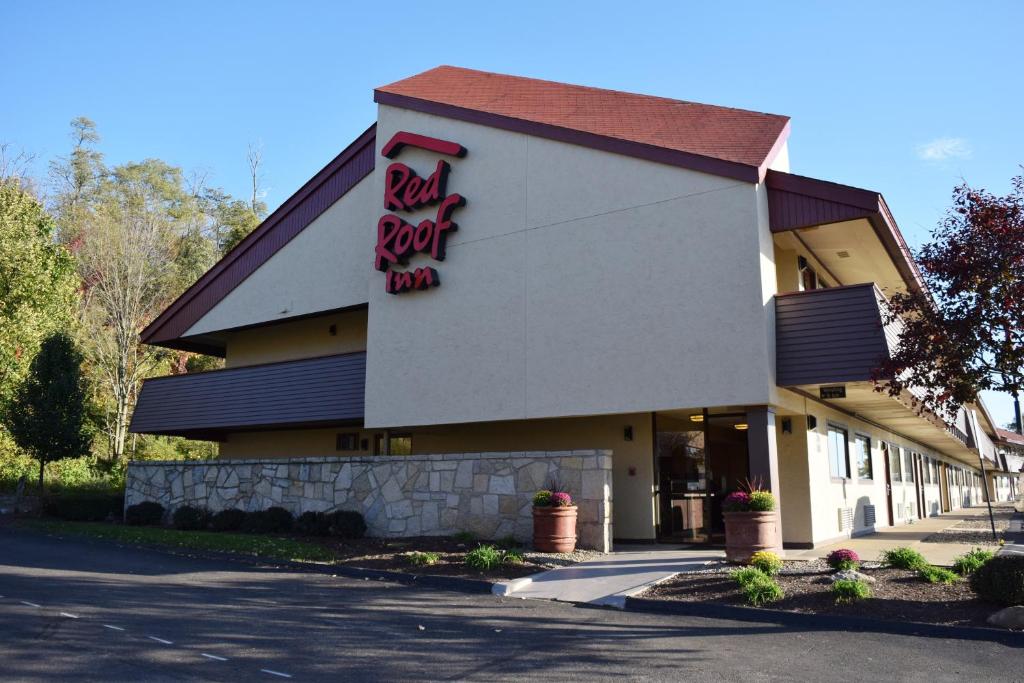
[{"x": 897, "y": 594}]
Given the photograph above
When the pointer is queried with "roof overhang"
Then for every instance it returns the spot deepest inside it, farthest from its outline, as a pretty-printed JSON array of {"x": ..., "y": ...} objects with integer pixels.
[{"x": 797, "y": 202}]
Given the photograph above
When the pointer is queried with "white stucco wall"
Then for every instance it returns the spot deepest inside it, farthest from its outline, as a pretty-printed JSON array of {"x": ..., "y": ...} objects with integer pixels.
[
  {"x": 324, "y": 267},
  {"x": 579, "y": 282}
]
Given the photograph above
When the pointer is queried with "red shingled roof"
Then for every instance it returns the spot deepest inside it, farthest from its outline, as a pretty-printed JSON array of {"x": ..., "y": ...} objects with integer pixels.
[
  {"x": 1010, "y": 437},
  {"x": 744, "y": 138}
]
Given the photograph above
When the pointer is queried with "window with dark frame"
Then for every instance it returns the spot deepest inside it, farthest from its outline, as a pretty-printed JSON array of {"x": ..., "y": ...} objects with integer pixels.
[
  {"x": 398, "y": 444},
  {"x": 838, "y": 452},
  {"x": 348, "y": 441},
  {"x": 862, "y": 448}
]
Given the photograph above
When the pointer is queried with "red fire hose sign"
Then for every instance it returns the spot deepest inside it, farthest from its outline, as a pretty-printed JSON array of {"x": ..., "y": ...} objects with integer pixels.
[{"x": 405, "y": 191}]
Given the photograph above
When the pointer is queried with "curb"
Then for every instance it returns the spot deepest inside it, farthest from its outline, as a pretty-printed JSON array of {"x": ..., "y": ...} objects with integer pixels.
[
  {"x": 822, "y": 622},
  {"x": 452, "y": 583}
]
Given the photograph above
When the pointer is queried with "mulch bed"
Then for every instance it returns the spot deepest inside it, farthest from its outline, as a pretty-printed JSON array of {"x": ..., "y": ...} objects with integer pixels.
[
  {"x": 388, "y": 554},
  {"x": 976, "y": 530},
  {"x": 897, "y": 595}
]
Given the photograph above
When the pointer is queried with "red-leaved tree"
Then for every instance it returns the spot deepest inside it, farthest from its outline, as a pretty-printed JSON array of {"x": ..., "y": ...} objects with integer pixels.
[{"x": 967, "y": 333}]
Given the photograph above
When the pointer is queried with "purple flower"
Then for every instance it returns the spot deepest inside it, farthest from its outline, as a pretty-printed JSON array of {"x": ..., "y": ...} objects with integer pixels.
[
  {"x": 843, "y": 558},
  {"x": 737, "y": 501},
  {"x": 561, "y": 500}
]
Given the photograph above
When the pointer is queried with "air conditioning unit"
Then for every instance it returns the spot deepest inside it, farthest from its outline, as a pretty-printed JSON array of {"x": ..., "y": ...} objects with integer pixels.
[{"x": 845, "y": 519}]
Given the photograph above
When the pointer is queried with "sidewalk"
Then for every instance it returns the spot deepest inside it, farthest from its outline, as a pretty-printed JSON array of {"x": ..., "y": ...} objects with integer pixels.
[
  {"x": 610, "y": 579},
  {"x": 870, "y": 547}
]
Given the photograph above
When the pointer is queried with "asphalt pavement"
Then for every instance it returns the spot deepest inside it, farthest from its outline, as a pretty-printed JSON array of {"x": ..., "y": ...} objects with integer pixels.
[{"x": 93, "y": 611}]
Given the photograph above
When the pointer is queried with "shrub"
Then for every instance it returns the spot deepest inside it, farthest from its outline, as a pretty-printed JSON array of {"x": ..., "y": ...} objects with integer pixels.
[
  {"x": 850, "y": 590},
  {"x": 347, "y": 524},
  {"x": 512, "y": 556},
  {"x": 421, "y": 559},
  {"x": 903, "y": 558},
  {"x": 972, "y": 561},
  {"x": 843, "y": 559},
  {"x": 737, "y": 501},
  {"x": 542, "y": 499},
  {"x": 232, "y": 519},
  {"x": 762, "y": 501},
  {"x": 85, "y": 506},
  {"x": 933, "y": 574},
  {"x": 748, "y": 575},
  {"x": 561, "y": 499},
  {"x": 1000, "y": 580},
  {"x": 188, "y": 518},
  {"x": 144, "y": 514},
  {"x": 767, "y": 561},
  {"x": 313, "y": 524},
  {"x": 273, "y": 520},
  {"x": 762, "y": 591},
  {"x": 484, "y": 558}
]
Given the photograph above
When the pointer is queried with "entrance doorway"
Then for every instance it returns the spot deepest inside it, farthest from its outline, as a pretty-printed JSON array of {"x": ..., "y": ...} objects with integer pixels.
[{"x": 699, "y": 458}]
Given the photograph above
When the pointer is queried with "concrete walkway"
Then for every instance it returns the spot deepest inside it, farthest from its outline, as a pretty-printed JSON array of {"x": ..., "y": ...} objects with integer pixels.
[
  {"x": 610, "y": 579},
  {"x": 870, "y": 547}
]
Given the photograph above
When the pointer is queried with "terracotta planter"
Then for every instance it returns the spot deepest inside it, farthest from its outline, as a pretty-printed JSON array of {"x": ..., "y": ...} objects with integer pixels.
[
  {"x": 748, "y": 532},
  {"x": 554, "y": 529}
]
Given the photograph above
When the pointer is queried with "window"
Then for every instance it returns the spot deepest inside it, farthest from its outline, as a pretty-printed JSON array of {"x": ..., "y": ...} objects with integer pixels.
[
  {"x": 808, "y": 276},
  {"x": 908, "y": 465},
  {"x": 347, "y": 442},
  {"x": 398, "y": 444},
  {"x": 895, "y": 471},
  {"x": 862, "y": 451},
  {"x": 926, "y": 473},
  {"x": 838, "y": 452}
]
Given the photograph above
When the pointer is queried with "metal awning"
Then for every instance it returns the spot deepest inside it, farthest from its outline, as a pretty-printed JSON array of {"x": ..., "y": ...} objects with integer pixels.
[{"x": 311, "y": 392}]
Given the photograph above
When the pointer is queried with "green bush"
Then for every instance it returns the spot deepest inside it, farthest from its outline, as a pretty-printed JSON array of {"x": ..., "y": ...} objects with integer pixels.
[
  {"x": 347, "y": 524},
  {"x": 512, "y": 556},
  {"x": 273, "y": 520},
  {"x": 850, "y": 590},
  {"x": 420, "y": 559},
  {"x": 484, "y": 558},
  {"x": 972, "y": 561},
  {"x": 903, "y": 558},
  {"x": 1000, "y": 580},
  {"x": 144, "y": 514},
  {"x": 85, "y": 506},
  {"x": 748, "y": 575},
  {"x": 762, "y": 501},
  {"x": 767, "y": 561},
  {"x": 313, "y": 524},
  {"x": 228, "y": 520},
  {"x": 933, "y": 574},
  {"x": 763, "y": 590},
  {"x": 189, "y": 518}
]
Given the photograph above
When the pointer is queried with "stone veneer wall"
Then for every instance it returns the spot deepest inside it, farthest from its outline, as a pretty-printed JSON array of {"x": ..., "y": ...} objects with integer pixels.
[{"x": 488, "y": 494}]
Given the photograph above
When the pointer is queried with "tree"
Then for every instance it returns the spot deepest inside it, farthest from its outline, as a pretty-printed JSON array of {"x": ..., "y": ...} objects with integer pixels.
[
  {"x": 48, "y": 416},
  {"x": 76, "y": 178},
  {"x": 38, "y": 285},
  {"x": 967, "y": 334}
]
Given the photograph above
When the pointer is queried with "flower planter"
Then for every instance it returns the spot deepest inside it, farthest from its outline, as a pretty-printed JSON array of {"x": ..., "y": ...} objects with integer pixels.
[
  {"x": 554, "y": 529},
  {"x": 749, "y": 532}
]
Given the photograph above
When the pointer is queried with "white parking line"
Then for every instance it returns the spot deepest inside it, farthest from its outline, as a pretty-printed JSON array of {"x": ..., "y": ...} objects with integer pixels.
[
  {"x": 160, "y": 640},
  {"x": 30, "y": 604},
  {"x": 275, "y": 673},
  {"x": 113, "y": 628},
  {"x": 69, "y": 615},
  {"x": 219, "y": 659}
]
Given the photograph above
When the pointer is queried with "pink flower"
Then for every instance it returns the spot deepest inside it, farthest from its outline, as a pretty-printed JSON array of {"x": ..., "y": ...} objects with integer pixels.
[{"x": 561, "y": 500}]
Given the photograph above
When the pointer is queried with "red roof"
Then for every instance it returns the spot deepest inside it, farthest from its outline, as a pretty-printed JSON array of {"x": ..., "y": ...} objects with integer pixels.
[
  {"x": 1010, "y": 437},
  {"x": 741, "y": 137}
]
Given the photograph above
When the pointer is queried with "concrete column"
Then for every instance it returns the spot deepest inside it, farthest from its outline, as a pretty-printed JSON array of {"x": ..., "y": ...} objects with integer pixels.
[{"x": 763, "y": 448}]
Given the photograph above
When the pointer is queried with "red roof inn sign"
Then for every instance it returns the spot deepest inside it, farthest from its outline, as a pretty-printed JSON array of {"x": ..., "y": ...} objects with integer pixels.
[{"x": 405, "y": 191}]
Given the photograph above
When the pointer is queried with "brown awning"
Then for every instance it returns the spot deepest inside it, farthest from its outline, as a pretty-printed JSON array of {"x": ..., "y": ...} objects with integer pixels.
[{"x": 311, "y": 392}]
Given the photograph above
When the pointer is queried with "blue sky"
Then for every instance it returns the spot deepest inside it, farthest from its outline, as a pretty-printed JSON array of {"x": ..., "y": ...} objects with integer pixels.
[{"x": 908, "y": 98}]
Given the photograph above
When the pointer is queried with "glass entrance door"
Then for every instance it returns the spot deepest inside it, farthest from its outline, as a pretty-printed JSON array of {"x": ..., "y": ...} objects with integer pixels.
[{"x": 700, "y": 459}]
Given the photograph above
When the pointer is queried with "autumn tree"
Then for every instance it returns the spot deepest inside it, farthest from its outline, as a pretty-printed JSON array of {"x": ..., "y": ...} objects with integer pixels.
[
  {"x": 966, "y": 334},
  {"x": 47, "y": 415}
]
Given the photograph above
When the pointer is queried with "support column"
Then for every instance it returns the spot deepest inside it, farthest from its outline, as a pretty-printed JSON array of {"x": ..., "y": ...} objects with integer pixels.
[{"x": 763, "y": 448}]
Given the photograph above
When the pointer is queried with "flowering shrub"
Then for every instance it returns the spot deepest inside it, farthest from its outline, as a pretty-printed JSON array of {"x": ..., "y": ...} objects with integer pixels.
[
  {"x": 737, "y": 501},
  {"x": 843, "y": 559},
  {"x": 542, "y": 499},
  {"x": 767, "y": 561},
  {"x": 761, "y": 501},
  {"x": 561, "y": 499}
]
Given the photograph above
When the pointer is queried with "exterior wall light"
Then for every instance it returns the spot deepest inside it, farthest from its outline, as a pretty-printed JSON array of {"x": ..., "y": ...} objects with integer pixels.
[
  {"x": 741, "y": 426},
  {"x": 696, "y": 418}
]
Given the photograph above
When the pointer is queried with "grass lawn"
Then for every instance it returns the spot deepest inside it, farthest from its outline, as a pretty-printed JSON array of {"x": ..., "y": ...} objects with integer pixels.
[{"x": 269, "y": 546}]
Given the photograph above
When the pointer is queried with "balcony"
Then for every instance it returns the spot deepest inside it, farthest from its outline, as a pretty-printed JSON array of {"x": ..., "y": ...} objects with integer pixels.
[{"x": 312, "y": 392}]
